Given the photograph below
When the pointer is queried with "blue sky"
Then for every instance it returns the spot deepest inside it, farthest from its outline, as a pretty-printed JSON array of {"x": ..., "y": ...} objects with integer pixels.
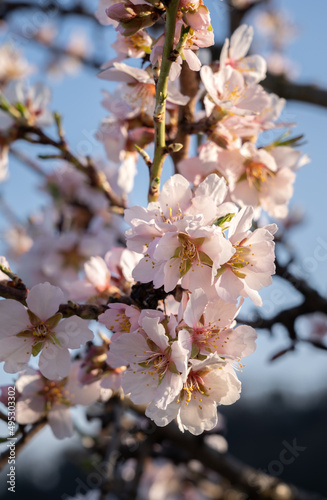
[{"x": 78, "y": 98}]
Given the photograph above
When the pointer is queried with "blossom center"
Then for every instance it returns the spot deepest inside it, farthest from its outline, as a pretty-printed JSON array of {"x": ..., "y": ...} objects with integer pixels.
[
  {"x": 206, "y": 338},
  {"x": 40, "y": 330},
  {"x": 257, "y": 173},
  {"x": 194, "y": 388},
  {"x": 55, "y": 393}
]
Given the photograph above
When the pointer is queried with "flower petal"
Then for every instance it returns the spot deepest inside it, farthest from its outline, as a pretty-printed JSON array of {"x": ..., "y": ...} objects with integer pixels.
[{"x": 44, "y": 300}]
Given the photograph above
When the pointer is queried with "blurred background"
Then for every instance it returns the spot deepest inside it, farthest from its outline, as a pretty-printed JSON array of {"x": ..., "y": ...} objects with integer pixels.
[{"x": 282, "y": 400}]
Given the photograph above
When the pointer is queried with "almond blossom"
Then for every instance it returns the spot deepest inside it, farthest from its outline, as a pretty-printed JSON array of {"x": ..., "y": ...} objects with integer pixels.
[
  {"x": 252, "y": 264},
  {"x": 156, "y": 365},
  {"x": 261, "y": 177},
  {"x": 39, "y": 329},
  {"x": 137, "y": 95},
  {"x": 228, "y": 90},
  {"x": 136, "y": 46},
  {"x": 33, "y": 103},
  {"x": 178, "y": 237},
  {"x": 253, "y": 68},
  {"x": 208, "y": 328},
  {"x": 40, "y": 397},
  {"x": 209, "y": 382},
  {"x": 13, "y": 65},
  {"x": 101, "y": 14},
  {"x": 120, "y": 318},
  {"x": 96, "y": 285},
  {"x": 195, "y": 13}
]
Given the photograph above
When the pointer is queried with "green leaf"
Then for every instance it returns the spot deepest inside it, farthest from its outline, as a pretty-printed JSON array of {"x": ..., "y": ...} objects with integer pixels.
[{"x": 222, "y": 220}]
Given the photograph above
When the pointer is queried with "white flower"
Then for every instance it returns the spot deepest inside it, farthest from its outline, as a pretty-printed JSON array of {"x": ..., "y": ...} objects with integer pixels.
[
  {"x": 157, "y": 365},
  {"x": 39, "y": 329},
  {"x": 40, "y": 397},
  {"x": 209, "y": 383}
]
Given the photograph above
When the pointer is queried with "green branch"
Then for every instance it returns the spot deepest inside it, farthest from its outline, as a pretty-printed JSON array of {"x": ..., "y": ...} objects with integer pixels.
[{"x": 160, "y": 151}]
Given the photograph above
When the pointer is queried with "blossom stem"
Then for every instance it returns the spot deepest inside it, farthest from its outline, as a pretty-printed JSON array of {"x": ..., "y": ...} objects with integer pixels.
[{"x": 160, "y": 151}]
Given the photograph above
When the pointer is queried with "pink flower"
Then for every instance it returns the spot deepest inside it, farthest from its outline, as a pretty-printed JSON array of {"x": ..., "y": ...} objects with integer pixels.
[
  {"x": 208, "y": 328},
  {"x": 253, "y": 68},
  {"x": 260, "y": 177},
  {"x": 40, "y": 397},
  {"x": 95, "y": 368},
  {"x": 35, "y": 101},
  {"x": 132, "y": 16},
  {"x": 101, "y": 13},
  {"x": 121, "y": 263},
  {"x": 39, "y": 329},
  {"x": 209, "y": 382},
  {"x": 137, "y": 95},
  {"x": 196, "y": 14},
  {"x": 121, "y": 318},
  {"x": 136, "y": 46},
  {"x": 252, "y": 264},
  {"x": 228, "y": 90},
  {"x": 96, "y": 285}
]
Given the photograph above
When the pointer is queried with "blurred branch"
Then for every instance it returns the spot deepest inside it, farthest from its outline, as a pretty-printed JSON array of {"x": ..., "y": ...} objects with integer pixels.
[
  {"x": 309, "y": 93},
  {"x": 8, "y": 7},
  {"x": 23, "y": 158},
  {"x": 96, "y": 178},
  {"x": 313, "y": 302},
  {"x": 256, "y": 484}
]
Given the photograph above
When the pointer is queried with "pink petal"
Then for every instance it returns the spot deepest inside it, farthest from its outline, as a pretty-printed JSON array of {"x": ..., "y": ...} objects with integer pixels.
[
  {"x": 61, "y": 422},
  {"x": 44, "y": 300},
  {"x": 30, "y": 409},
  {"x": 13, "y": 317},
  {"x": 73, "y": 332},
  {"x": 15, "y": 353},
  {"x": 54, "y": 362}
]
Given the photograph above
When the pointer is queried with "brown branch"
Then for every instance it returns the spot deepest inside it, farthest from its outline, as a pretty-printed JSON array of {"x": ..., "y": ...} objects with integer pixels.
[
  {"x": 96, "y": 178},
  {"x": 313, "y": 302},
  {"x": 256, "y": 484},
  {"x": 84, "y": 311},
  {"x": 309, "y": 93}
]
